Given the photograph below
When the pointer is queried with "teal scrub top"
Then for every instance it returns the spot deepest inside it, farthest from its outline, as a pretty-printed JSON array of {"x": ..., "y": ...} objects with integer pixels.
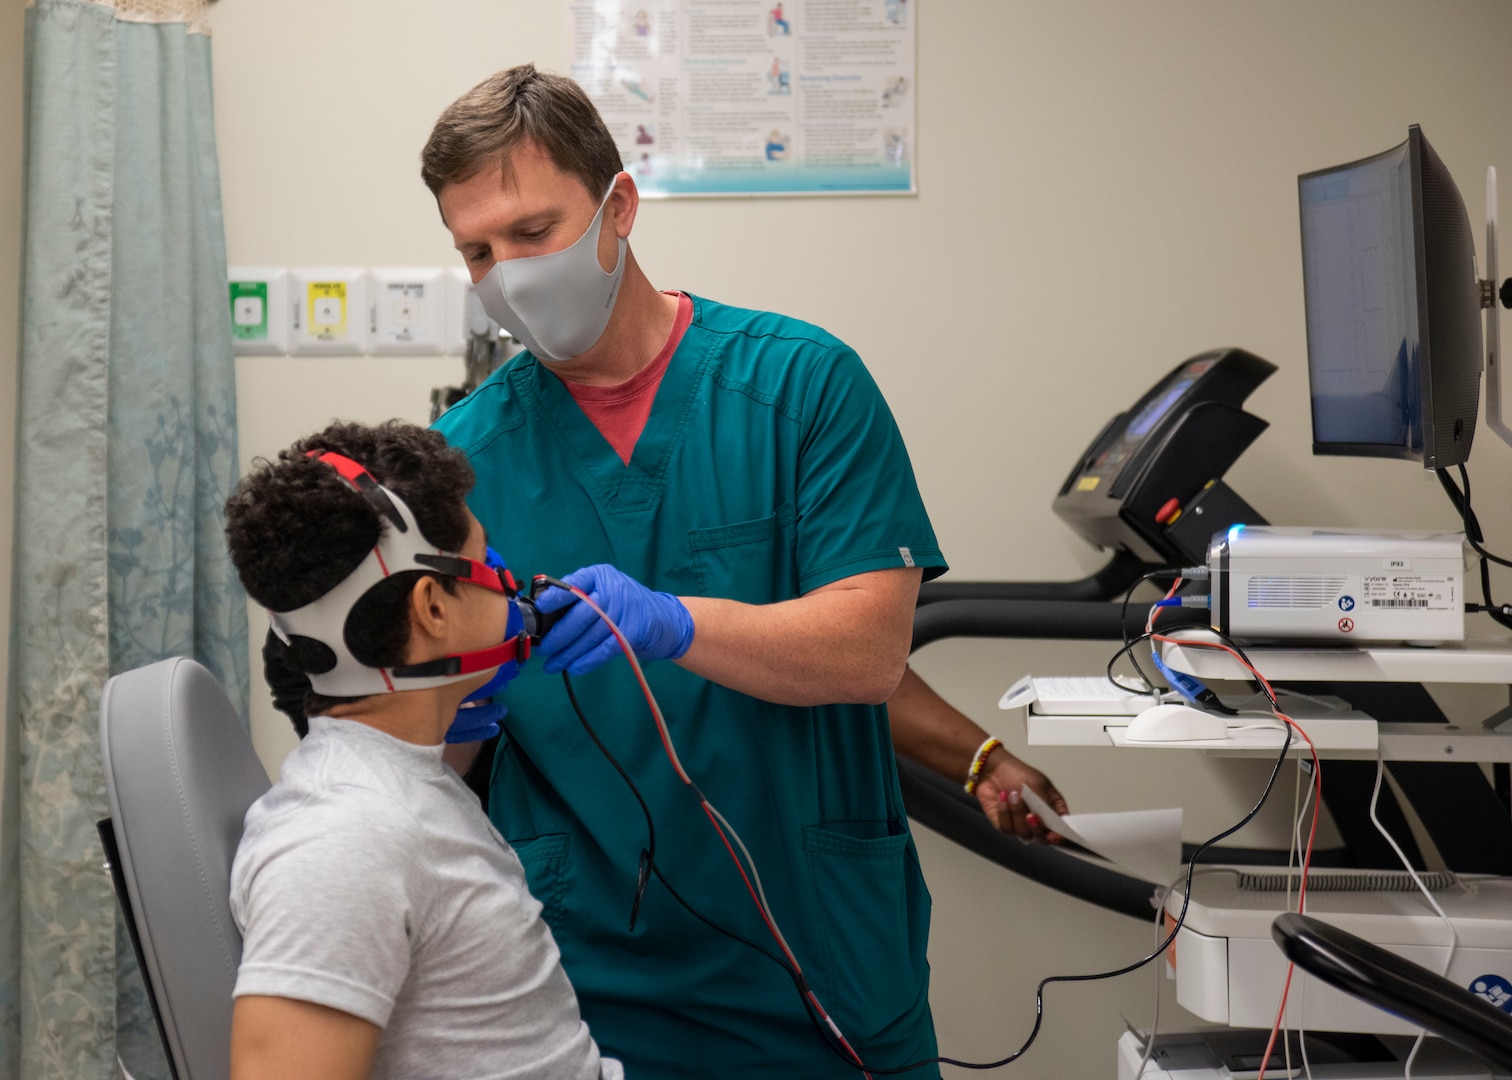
[{"x": 770, "y": 466}]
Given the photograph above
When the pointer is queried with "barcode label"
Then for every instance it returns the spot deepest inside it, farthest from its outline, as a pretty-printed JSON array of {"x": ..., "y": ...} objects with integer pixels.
[{"x": 1410, "y": 592}]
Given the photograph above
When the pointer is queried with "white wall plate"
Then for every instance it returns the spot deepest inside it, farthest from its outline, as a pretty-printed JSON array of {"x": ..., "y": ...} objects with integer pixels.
[
  {"x": 406, "y": 311},
  {"x": 328, "y": 312}
]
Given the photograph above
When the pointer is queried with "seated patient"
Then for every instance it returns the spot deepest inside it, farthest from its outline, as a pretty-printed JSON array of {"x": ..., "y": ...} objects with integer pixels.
[{"x": 388, "y": 930}]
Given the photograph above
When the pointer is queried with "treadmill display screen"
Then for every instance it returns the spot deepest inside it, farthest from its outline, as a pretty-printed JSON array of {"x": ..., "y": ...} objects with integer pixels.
[{"x": 1152, "y": 413}]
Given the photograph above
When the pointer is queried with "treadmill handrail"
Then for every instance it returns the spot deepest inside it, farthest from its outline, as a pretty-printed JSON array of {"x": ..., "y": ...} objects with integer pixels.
[
  {"x": 1383, "y": 979},
  {"x": 1065, "y": 620},
  {"x": 1109, "y": 583},
  {"x": 938, "y": 804}
]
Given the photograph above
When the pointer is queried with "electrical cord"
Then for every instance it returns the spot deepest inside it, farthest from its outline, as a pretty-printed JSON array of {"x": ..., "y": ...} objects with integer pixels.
[
  {"x": 1039, "y": 993},
  {"x": 1123, "y": 626},
  {"x": 1500, "y": 614},
  {"x": 1294, "y": 847},
  {"x": 1317, "y": 773},
  {"x": 1228, "y": 645},
  {"x": 1461, "y": 501},
  {"x": 648, "y": 860},
  {"x": 648, "y": 853},
  {"x": 1294, "y": 841},
  {"x": 1149, "y": 1047},
  {"x": 1375, "y": 795},
  {"x": 822, "y": 1021},
  {"x": 726, "y": 832}
]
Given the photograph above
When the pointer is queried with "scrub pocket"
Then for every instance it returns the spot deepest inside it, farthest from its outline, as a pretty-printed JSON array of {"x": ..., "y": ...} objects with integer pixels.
[
  {"x": 872, "y": 973},
  {"x": 545, "y": 861},
  {"x": 749, "y": 561}
]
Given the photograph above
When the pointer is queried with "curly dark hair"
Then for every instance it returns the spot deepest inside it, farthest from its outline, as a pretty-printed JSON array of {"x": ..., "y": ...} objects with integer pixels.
[{"x": 295, "y": 530}]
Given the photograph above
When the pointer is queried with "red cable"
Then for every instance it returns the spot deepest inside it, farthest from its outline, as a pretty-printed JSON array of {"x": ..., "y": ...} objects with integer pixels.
[
  {"x": 1156, "y": 609},
  {"x": 666, "y": 738},
  {"x": 709, "y": 813},
  {"x": 1312, "y": 831}
]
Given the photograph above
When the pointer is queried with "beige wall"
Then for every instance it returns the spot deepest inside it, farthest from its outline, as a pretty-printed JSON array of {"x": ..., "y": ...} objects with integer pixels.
[
  {"x": 1106, "y": 189},
  {"x": 12, "y": 38}
]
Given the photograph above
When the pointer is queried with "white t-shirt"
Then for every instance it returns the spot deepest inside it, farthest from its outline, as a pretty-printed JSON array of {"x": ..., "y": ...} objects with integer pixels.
[{"x": 369, "y": 880}]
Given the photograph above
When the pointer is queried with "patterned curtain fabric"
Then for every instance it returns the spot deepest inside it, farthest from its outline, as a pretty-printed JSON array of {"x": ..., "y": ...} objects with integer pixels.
[{"x": 126, "y": 450}]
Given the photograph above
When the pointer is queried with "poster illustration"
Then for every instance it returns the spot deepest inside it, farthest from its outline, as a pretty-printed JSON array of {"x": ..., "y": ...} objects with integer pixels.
[{"x": 754, "y": 97}]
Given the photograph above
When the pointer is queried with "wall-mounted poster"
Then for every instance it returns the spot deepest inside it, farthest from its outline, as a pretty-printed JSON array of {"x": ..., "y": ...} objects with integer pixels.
[{"x": 754, "y": 97}]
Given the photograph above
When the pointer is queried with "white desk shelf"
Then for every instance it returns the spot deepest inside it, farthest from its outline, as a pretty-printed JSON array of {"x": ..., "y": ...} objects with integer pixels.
[
  {"x": 1474, "y": 660},
  {"x": 1336, "y": 738}
]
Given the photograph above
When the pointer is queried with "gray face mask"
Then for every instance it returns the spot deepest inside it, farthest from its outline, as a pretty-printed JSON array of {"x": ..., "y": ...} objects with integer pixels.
[{"x": 559, "y": 304}]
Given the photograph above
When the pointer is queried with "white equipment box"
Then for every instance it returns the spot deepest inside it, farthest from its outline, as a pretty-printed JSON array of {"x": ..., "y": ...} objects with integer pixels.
[
  {"x": 1230, "y": 971},
  {"x": 1219, "y": 1054},
  {"x": 1338, "y": 585}
]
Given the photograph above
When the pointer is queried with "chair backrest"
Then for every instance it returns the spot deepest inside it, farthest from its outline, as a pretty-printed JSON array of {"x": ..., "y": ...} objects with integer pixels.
[
  {"x": 180, "y": 773},
  {"x": 1387, "y": 981}
]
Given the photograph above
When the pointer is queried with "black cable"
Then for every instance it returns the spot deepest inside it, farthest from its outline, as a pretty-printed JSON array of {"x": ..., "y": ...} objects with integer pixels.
[
  {"x": 1123, "y": 628},
  {"x": 799, "y": 982},
  {"x": 1474, "y": 536},
  {"x": 1128, "y": 648},
  {"x": 648, "y": 853},
  {"x": 648, "y": 866},
  {"x": 648, "y": 857},
  {"x": 1472, "y": 523},
  {"x": 1039, "y": 992}
]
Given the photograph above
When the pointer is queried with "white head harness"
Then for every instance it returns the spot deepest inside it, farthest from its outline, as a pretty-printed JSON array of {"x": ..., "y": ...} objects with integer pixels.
[{"x": 400, "y": 547}]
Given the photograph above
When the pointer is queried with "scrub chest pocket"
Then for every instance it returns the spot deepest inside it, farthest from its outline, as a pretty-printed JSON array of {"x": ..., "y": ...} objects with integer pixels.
[{"x": 750, "y": 561}]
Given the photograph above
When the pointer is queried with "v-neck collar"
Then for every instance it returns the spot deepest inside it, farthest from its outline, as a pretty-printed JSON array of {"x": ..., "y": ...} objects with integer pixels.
[{"x": 615, "y": 486}]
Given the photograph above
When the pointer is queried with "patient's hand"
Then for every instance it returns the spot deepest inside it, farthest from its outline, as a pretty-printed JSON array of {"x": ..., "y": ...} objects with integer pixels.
[{"x": 274, "y": 1038}]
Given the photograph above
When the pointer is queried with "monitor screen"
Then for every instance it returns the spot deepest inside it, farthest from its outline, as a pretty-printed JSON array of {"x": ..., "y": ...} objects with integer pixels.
[
  {"x": 1393, "y": 309},
  {"x": 1359, "y": 270}
]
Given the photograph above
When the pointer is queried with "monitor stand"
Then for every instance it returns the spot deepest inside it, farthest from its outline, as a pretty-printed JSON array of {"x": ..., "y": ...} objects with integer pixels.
[{"x": 1493, "y": 317}]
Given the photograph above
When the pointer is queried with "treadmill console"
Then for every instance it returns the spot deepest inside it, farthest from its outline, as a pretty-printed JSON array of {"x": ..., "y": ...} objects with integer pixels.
[{"x": 1152, "y": 481}]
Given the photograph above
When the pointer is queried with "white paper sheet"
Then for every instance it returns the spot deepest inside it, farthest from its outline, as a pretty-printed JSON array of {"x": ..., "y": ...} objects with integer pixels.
[{"x": 1147, "y": 843}]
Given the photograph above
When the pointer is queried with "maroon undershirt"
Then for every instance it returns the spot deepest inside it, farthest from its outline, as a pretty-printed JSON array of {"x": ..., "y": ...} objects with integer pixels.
[{"x": 620, "y": 411}]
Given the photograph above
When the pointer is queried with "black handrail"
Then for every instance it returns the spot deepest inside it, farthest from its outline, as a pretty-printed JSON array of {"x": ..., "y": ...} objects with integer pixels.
[
  {"x": 1385, "y": 980},
  {"x": 935, "y": 802},
  {"x": 1109, "y": 583},
  {"x": 1056, "y": 620}
]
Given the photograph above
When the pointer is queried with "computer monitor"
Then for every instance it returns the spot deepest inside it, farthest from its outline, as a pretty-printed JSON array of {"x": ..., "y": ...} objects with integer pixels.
[{"x": 1393, "y": 308}]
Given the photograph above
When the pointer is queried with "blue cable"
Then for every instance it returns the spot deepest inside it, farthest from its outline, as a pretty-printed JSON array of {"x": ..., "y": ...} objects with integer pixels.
[{"x": 1188, "y": 686}]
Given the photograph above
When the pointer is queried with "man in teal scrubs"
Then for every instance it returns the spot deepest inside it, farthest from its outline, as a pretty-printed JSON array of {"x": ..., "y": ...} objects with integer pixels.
[{"x": 739, "y": 499}]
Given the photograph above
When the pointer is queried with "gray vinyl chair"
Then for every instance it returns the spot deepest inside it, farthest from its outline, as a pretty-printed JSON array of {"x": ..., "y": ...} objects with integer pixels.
[{"x": 180, "y": 773}]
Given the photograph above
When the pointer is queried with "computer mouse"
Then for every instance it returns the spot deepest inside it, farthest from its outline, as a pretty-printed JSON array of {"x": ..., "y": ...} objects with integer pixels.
[{"x": 1175, "y": 723}]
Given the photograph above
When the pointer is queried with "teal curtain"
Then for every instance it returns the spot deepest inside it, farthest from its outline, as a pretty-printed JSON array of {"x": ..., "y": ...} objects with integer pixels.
[{"x": 126, "y": 450}]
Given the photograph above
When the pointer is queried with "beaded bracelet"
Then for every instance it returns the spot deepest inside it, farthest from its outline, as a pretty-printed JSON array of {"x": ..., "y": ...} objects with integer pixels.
[{"x": 974, "y": 777}]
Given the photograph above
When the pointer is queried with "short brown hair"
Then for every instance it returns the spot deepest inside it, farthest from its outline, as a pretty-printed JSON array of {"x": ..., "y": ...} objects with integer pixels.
[{"x": 488, "y": 123}]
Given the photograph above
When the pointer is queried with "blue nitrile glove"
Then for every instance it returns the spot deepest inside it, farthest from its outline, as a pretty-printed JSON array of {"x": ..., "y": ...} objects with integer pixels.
[
  {"x": 657, "y": 625},
  {"x": 474, "y": 723}
]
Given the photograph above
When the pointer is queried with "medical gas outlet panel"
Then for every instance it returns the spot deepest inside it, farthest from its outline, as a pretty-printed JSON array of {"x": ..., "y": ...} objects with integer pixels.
[{"x": 352, "y": 311}]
